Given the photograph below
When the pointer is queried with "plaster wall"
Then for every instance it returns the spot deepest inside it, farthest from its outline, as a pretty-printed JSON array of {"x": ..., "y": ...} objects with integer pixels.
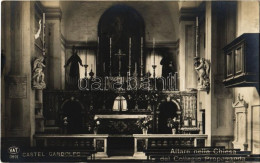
[
  {"x": 248, "y": 22},
  {"x": 80, "y": 19}
]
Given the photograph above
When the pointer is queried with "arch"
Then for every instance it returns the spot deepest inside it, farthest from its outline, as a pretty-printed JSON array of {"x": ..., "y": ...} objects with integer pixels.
[
  {"x": 119, "y": 22},
  {"x": 72, "y": 110},
  {"x": 177, "y": 104},
  {"x": 167, "y": 109},
  {"x": 67, "y": 100}
]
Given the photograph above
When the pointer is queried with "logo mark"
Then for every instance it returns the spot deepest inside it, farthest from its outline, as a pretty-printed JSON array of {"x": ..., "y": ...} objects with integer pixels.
[{"x": 13, "y": 150}]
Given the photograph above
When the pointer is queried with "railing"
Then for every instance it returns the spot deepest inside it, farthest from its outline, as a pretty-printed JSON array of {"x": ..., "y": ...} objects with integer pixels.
[
  {"x": 166, "y": 141},
  {"x": 87, "y": 142}
]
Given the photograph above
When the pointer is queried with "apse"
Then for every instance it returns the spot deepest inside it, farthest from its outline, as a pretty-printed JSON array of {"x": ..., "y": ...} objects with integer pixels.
[{"x": 120, "y": 27}]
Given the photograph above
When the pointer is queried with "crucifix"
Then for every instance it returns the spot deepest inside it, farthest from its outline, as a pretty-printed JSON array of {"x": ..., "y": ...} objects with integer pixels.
[{"x": 119, "y": 54}]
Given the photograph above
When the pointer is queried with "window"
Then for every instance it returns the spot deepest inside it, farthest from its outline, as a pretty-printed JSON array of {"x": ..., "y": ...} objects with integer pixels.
[{"x": 120, "y": 104}]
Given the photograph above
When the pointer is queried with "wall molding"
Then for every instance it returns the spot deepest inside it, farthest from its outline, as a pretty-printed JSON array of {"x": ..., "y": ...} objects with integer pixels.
[
  {"x": 53, "y": 13},
  {"x": 39, "y": 7},
  {"x": 222, "y": 139},
  {"x": 93, "y": 44},
  {"x": 189, "y": 14}
]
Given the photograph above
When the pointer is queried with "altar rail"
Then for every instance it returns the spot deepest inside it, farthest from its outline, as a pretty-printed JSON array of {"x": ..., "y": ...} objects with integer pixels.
[
  {"x": 166, "y": 141},
  {"x": 88, "y": 142}
]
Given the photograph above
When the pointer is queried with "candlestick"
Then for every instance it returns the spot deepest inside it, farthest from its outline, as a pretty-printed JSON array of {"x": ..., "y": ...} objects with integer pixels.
[
  {"x": 197, "y": 36},
  {"x": 154, "y": 67},
  {"x": 86, "y": 70},
  {"x": 86, "y": 56},
  {"x": 130, "y": 45},
  {"x": 97, "y": 50},
  {"x": 104, "y": 68},
  {"x": 142, "y": 56},
  {"x": 91, "y": 73},
  {"x": 110, "y": 43},
  {"x": 135, "y": 67},
  {"x": 43, "y": 32},
  {"x": 153, "y": 51}
]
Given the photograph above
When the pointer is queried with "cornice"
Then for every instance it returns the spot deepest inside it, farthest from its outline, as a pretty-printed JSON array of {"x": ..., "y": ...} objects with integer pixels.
[{"x": 53, "y": 13}]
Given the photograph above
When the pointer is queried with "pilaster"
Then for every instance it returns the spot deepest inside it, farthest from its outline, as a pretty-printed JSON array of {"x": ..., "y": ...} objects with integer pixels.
[
  {"x": 19, "y": 106},
  {"x": 187, "y": 48},
  {"x": 54, "y": 48}
]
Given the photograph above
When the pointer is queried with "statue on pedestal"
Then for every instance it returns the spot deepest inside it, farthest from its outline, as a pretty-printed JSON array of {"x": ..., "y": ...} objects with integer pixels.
[
  {"x": 38, "y": 75},
  {"x": 202, "y": 68}
]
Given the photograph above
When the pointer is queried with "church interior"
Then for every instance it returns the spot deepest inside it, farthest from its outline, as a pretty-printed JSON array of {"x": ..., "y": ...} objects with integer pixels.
[{"x": 119, "y": 77}]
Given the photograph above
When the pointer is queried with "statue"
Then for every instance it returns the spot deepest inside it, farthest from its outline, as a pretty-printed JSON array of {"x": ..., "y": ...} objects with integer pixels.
[
  {"x": 37, "y": 35},
  {"x": 167, "y": 66},
  {"x": 202, "y": 68},
  {"x": 38, "y": 75},
  {"x": 74, "y": 62}
]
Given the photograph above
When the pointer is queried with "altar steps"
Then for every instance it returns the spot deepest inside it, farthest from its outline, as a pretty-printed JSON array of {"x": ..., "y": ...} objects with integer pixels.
[{"x": 120, "y": 159}]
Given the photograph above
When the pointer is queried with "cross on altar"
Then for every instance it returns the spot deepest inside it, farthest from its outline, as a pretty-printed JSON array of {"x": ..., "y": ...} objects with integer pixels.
[{"x": 119, "y": 54}]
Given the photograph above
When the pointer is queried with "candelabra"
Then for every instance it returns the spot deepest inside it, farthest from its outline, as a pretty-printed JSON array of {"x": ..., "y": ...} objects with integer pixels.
[
  {"x": 91, "y": 73},
  {"x": 86, "y": 70},
  {"x": 154, "y": 67}
]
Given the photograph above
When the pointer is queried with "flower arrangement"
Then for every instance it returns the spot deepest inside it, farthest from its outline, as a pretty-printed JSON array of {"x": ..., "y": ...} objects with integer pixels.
[
  {"x": 96, "y": 123},
  {"x": 145, "y": 123},
  {"x": 93, "y": 125},
  {"x": 172, "y": 123}
]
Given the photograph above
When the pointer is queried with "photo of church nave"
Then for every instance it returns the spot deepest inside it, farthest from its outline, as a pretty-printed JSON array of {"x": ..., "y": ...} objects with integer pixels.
[{"x": 130, "y": 81}]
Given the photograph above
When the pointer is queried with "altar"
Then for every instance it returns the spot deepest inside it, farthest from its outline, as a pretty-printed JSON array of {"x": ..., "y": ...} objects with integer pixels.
[{"x": 115, "y": 124}]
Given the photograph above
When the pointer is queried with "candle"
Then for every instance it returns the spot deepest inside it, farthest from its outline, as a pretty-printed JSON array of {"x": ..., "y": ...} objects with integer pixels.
[
  {"x": 142, "y": 41},
  {"x": 197, "y": 37},
  {"x": 153, "y": 51},
  {"x": 87, "y": 57},
  {"x": 43, "y": 33},
  {"x": 110, "y": 41},
  {"x": 97, "y": 60},
  {"x": 130, "y": 52},
  {"x": 142, "y": 56}
]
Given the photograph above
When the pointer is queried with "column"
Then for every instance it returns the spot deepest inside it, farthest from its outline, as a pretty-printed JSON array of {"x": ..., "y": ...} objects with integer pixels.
[{"x": 19, "y": 96}]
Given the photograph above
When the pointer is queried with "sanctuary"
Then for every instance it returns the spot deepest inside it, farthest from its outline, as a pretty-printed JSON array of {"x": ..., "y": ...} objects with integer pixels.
[{"x": 122, "y": 80}]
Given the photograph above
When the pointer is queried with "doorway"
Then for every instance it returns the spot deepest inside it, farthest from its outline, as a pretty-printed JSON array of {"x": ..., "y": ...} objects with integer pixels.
[
  {"x": 72, "y": 110},
  {"x": 167, "y": 110}
]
